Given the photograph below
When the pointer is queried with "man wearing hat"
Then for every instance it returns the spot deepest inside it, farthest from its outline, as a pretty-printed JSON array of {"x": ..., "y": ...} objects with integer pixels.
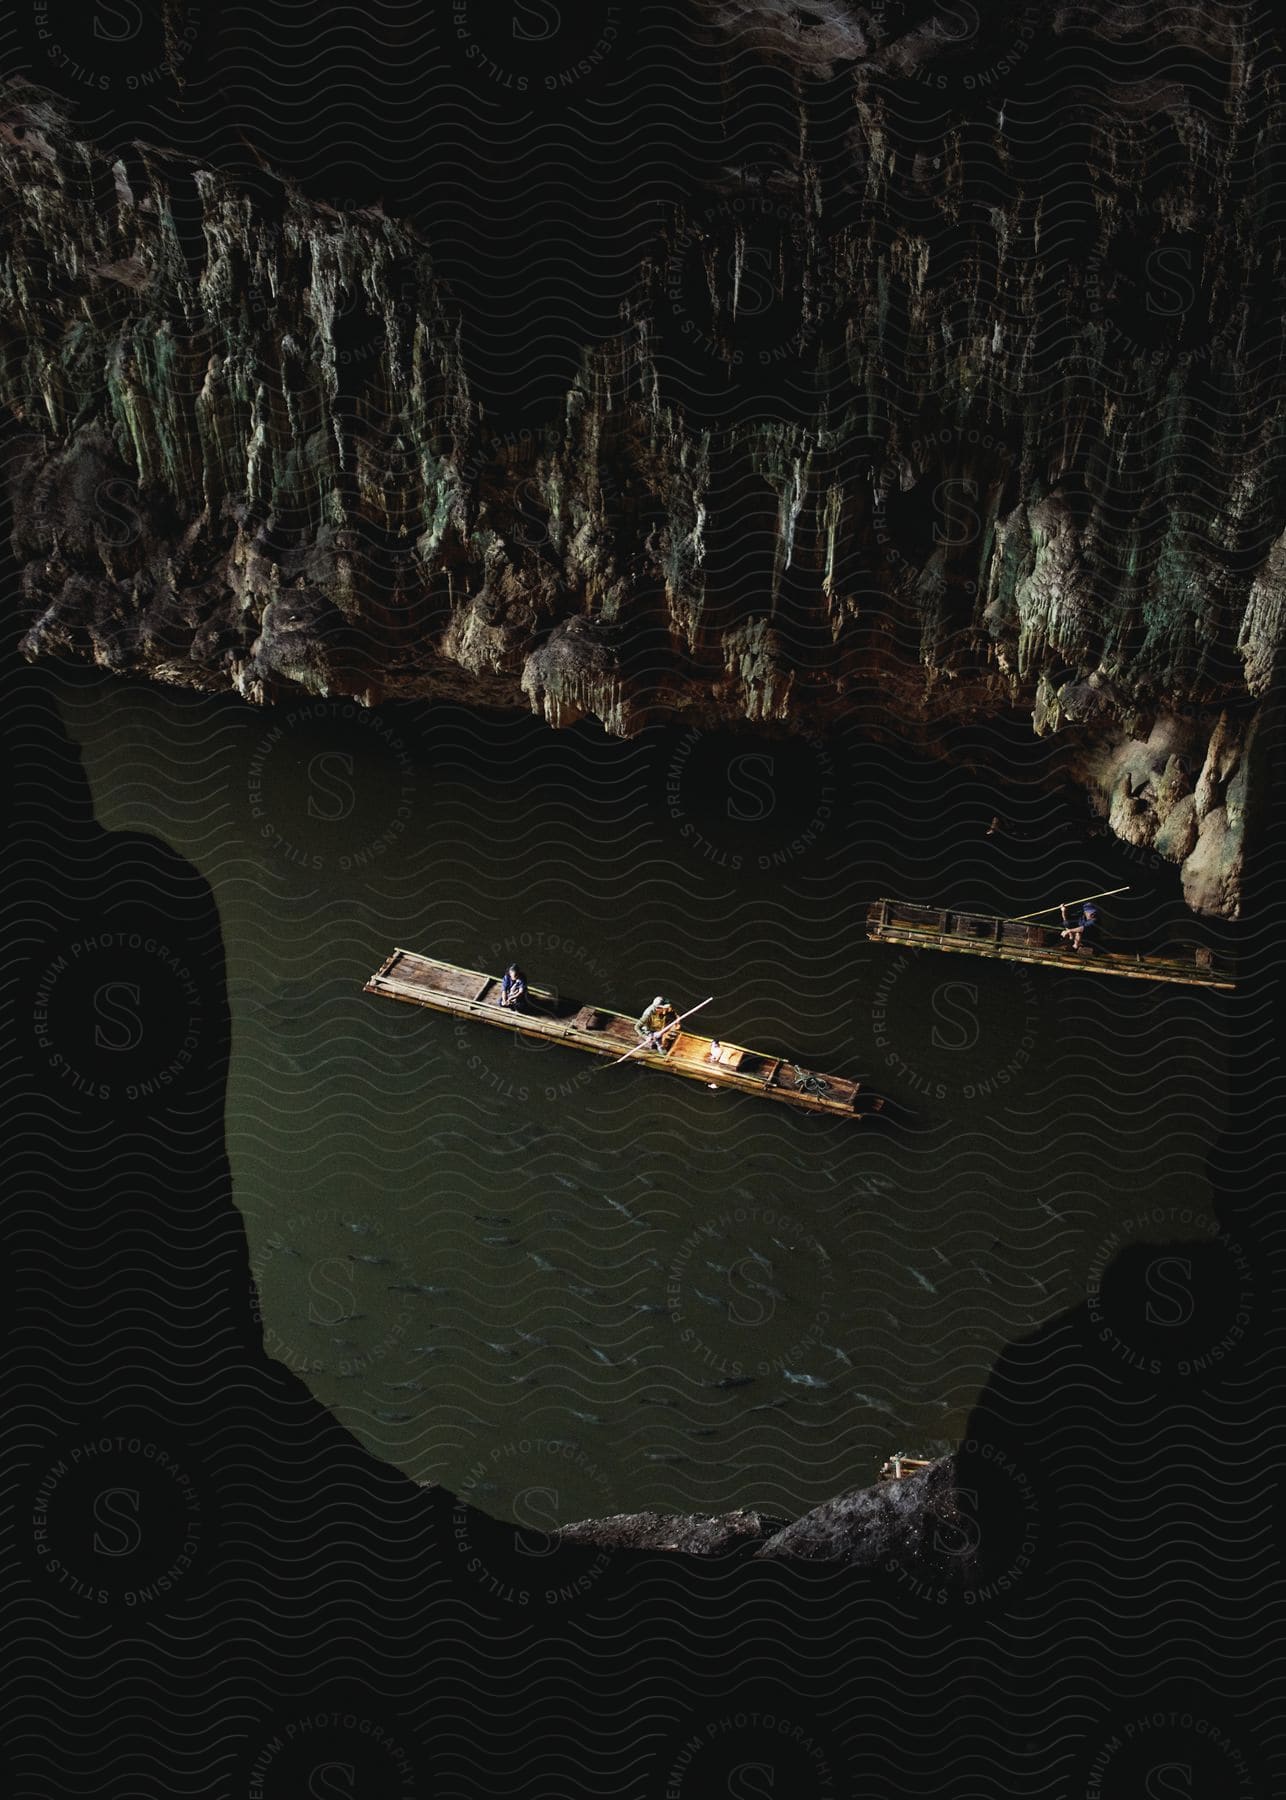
[{"x": 658, "y": 1024}]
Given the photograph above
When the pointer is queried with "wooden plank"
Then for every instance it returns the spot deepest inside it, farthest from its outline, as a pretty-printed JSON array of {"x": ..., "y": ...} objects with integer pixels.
[{"x": 461, "y": 983}]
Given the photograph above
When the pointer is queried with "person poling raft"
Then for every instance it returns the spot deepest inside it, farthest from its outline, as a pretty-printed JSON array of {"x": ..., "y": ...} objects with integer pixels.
[
  {"x": 658, "y": 1025},
  {"x": 1083, "y": 926},
  {"x": 1087, "y": 917},
  {"x": 652, "y": 1034}
]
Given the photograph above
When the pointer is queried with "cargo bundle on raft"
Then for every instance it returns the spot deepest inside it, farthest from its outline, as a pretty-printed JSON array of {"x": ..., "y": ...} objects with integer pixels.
[
  {"x": 471, "y": 994},
  {"x": 1020, "y": 940}
]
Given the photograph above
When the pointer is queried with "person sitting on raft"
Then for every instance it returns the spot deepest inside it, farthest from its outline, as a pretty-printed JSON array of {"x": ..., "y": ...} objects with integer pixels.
[
  {"x": 658, "y": 1025},
  {"x": 1085, "y": 926},
  {"x": 513, "y": 987}
]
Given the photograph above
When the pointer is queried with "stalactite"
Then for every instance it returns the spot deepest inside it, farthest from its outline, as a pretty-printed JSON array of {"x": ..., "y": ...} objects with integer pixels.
[{"x": 290, "y": 411}]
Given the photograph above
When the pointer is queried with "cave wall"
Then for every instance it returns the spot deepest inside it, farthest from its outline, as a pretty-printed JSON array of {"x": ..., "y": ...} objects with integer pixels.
[{"x": 952, "y": 392}]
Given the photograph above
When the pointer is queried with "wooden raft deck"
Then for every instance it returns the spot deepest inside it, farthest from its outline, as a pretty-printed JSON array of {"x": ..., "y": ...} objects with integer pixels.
[
  {"x": 471, "y": 994},
  {"x": 981, "y": 934}
]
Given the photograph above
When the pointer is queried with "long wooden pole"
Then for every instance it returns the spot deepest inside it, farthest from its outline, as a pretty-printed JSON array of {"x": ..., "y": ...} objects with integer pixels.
[
  {"x": 1049, "y": 909},
  {"x": 644, "y": 1044}
]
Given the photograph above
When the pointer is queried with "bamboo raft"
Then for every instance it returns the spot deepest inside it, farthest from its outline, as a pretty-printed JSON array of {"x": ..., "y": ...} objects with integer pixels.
[
  {"x": 1014, "y": 940},
  {"x": 470, "y": 994}
]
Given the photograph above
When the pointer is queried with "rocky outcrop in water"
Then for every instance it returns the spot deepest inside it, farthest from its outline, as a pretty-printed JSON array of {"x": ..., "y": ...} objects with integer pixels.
[
  {"x": 692, "y": 1534},
  {"x": 961, "y": 406},
  {"x": 894, "y": 1521}
]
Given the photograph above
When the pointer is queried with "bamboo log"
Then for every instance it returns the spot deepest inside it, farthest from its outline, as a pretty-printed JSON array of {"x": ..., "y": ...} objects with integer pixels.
[{"x": 1106, "y": 894}]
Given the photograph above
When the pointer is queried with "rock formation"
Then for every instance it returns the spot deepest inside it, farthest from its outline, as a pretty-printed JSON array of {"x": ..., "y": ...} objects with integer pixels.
[
  {"x": 962, "y": 405},
  {"x": 863, "y": 1529}
]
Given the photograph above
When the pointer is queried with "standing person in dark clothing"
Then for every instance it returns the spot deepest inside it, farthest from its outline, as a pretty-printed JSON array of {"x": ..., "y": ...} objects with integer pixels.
[{"x": 513, "y": 987}]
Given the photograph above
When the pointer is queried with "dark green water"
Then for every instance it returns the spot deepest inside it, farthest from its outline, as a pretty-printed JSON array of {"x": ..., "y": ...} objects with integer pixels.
[{"x": 562, "y": 1290}]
